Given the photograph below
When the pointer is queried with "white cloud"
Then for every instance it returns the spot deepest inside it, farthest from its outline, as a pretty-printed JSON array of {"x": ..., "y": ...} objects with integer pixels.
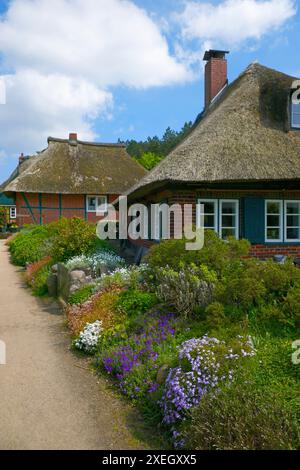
[
  {"x": 233, "y": 21},
  {"x": 66, "y": 55},
  {"x": 42, "y": 105}
]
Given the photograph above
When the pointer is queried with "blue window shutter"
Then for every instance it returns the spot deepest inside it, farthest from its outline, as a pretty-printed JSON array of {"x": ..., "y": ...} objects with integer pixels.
[{"x": 254, "y": 219}]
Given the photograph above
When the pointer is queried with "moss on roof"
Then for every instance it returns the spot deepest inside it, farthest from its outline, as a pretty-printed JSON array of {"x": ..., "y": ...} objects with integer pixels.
[
  {"x": 244, "y": 136},
  {"x": 77, "y": 168}
]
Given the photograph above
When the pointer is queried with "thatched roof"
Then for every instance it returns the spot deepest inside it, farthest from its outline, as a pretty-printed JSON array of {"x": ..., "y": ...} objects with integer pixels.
[
  {"x": 76, "y": 167},
  {"x": 243, "y": 136}
]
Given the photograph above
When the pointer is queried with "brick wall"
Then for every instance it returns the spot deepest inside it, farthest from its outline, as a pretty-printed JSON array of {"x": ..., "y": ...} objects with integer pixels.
[
  {"x": 53, "y": 207},
  {"x": 268, "y": 251}
]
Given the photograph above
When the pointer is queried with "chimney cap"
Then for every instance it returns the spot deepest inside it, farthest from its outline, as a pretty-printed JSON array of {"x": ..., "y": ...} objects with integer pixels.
[{"x": 214, "y": 54}]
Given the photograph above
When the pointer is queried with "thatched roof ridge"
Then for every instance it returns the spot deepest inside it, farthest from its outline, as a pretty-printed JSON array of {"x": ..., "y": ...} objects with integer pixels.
[
  {"x": 243, "y": 136},
  {"x": 77, "y": 167}
]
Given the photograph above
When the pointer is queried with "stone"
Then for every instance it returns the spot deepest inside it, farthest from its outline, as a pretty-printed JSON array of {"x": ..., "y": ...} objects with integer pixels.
[
  {"x": 87, "y": 271},
  {"x": 297, "y": 262},
  {"x": 54, "y": 269},
  {"x": 63, "y": 281},
  {"x": 52, "y": 285},
  {"x": 162, "y": 374},
  {"x": 77, "y": 276},
  {"x": 280, "y": 259}
]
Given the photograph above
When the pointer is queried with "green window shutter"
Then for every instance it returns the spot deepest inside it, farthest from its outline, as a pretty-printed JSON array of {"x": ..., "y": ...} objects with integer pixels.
[{"x": 254, "y": 219}]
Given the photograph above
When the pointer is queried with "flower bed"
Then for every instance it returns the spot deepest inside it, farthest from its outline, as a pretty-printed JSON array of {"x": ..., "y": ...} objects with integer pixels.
[{"x": 96, "y": 262}]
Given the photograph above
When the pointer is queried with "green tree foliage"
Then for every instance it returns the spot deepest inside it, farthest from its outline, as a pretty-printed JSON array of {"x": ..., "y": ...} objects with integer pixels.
[
  {"x": 149, "y": 160},
  {"x": 151, "y": 151}
]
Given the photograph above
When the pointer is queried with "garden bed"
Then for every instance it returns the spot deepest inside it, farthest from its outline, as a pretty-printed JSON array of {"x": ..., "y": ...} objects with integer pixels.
[{"x": 201, "y": 342}]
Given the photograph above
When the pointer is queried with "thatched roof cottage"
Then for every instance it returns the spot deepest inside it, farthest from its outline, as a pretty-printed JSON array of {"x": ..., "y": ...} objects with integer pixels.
[
  {"x": 241, "y": 161},
  {"x": 71, "y": 178}
]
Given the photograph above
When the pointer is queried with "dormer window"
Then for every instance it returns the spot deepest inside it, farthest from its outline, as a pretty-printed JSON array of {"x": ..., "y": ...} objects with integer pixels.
[
  {"x": 296, "y": 115},
  {"x": 295, "y": 108}
]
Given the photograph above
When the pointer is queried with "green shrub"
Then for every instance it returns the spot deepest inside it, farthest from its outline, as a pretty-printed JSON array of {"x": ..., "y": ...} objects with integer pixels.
[
  {"x": 240, "y": 287},
  {"x": 215, "y": 254},
  {"x": 37, "y": 276},
  {"x": 277, "y": 278},
  {"x": 241, "y": 417},
  {"x": 134, "y": 302},
  {"x": 215, "y": 315},
  {"x": 187, "y": 289},
  {"x": 30, "y": 245},
  {"x": 73, "y": 237},
  {"x": 291, "y": 308},
  {"x": 81, "y": 295}
]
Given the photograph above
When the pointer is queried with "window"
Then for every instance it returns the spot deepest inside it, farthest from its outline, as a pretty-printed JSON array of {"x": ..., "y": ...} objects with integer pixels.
[
  {"x": 207, "y": 212},
  {"x": 229, "y": 219},
  {"x": 274, "y": 221},
  {"x": 96, "y": 204},
  {"x": 292, "y": 221},
  {"x": 296, "y": 115},
  {"x": 12, "y": 213},
  {"x": 221, "y": 216},
  {"x": 295, "y": 106}
]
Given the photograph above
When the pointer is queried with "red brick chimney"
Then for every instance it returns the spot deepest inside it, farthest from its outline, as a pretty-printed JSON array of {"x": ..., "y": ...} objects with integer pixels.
[
  {"x": 215, "y": 74},
  {"x": 72, "y": 136}
]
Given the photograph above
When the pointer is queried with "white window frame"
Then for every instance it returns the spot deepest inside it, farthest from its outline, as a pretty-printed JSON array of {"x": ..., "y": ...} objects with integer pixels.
[
  {"x": 199, "y": 213},
  {"x": 281, "y": 205},
  {"x": 295, "y": 110},
  {"x": 237, "y": 218},
  {"x": 286, "y": 239},
  {"x": 97, "y": 210},
  {"x": 13, "y": 212}
]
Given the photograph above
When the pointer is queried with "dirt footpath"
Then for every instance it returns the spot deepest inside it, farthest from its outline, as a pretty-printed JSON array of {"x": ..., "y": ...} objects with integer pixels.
[{"x": 48, "y": 400}]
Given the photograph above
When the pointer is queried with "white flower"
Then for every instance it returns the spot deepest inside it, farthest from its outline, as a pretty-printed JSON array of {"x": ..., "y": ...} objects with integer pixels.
[{"x": 89, "y": 337}]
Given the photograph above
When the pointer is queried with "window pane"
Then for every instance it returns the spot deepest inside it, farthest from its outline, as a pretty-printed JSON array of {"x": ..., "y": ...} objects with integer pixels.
[
  {"x": 209, "y": 221},
  {"x": 293, "y": 208},
  {"x": 101, "y": 201},
  {"x": 207, "y": 214},
  {"x": 228, "y": 208},
  {"x": 273, "y": 208},
  {"x": 228, "y": 221},
  {"x": 228, "y": 232},
  {"x": 92, "y": 204},
  {"x": 273, "y": 220},
  {"x": 293, "y": 233},
  {"x": 209, "y": 207},
  {"x": 296, "y": 115},
  {"x": 293, "y": 221},
  {"x": 273, "y": 233}
]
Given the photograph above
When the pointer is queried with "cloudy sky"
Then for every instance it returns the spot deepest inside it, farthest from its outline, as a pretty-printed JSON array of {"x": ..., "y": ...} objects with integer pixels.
[{"x": 110, "y": 69}]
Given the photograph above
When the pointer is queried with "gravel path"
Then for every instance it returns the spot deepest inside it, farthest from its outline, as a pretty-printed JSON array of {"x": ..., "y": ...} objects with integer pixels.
[{"x": 48, "y": 399}]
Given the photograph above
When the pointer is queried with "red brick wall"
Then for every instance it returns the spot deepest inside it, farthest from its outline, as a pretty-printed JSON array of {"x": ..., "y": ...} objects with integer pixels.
[
  {"x": 72, "y": 205},
  {"x": 267, "y": 251}
]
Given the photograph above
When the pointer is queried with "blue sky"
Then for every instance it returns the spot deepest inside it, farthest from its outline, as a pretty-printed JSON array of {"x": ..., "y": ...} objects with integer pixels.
[{"x": 112, "y": 69}]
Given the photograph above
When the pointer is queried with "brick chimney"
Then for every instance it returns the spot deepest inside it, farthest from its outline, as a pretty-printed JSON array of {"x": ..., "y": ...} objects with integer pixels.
[
  {"x": 215, "y": 74},
  {"x": 73, "y": 136},
  {"x": 21, "y": 158}
]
